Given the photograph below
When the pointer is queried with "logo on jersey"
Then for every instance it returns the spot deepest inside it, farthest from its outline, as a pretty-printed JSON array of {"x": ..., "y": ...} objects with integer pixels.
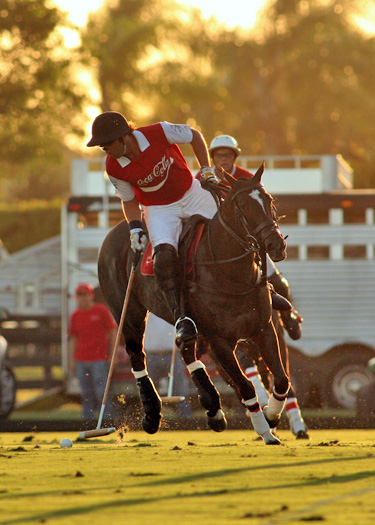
[{"x": 160, "y": 171}]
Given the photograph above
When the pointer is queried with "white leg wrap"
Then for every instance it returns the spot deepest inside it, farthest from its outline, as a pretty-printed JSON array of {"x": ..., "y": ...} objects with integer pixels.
[
  {"x": 195, "y": 365},
  {"x": 276, "y": 406},
  {"x": 250, "y": 402},
  {"x": 262, "y": 394},
  {"x": 259, "y": 422},
  {"x": 296, "y": 422},
  {"x": 141, "y": 373}
]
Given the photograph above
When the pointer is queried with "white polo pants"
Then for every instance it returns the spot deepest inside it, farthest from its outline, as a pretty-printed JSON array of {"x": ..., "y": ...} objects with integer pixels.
[{"x": 164, "y": 222}]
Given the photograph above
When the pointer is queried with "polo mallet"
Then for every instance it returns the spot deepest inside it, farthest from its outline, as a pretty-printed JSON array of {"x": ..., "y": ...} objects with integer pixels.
[
  {"x": 104, "y": 431},
  {"x": 169, "y": 398}
]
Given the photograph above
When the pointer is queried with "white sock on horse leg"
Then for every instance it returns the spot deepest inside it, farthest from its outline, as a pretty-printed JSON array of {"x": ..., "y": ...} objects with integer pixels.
[
  {"x": 276, "y": 404},
  {"x": 296, "y": 421},
  {"x": 195, "y": 365},
  {"x": 262, "y": 394},
  {"x": 141, "y": 373},
  {"x": 258, "y": 420}
]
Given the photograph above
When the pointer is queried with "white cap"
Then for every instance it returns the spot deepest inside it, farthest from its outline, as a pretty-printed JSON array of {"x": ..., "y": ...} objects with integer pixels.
[{"x": 224, "y": 141}]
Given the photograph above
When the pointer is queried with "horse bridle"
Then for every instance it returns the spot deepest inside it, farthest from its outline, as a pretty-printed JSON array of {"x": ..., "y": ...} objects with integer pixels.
[
  {"x": 251, "y": 242},
  {"x": 251, "y": 245}
]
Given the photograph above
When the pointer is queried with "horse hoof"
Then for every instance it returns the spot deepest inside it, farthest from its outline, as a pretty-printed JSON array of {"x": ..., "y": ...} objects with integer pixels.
[
  {"x": 217, "y": 423},
  {"x": 150, "y": 425},
  {"x": 302, "y": 434},
  {"x": 270, "y": 439},
  {"x": 274, "y": 441},
  {"x": 271, "y": 422}
]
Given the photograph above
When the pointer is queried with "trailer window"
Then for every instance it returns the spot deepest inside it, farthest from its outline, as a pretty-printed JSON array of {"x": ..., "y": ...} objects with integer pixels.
[
  {"x": 318, "y": 252},
  {"x": 354, "y": 215},
  {"x": 292, "y": 252},
  {"x": 319, "y": 216},
  {"x": 287, "y": 217},
  {"x": 354, "y": 252}
]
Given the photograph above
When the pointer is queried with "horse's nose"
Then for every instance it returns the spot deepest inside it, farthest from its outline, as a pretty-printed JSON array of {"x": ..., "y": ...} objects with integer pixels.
[
  {"x": 277, "y": 251},
  {"x": 279, "y": 258}
]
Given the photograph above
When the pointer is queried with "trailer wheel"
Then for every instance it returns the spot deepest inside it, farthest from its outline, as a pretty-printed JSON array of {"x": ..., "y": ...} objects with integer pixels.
[
  {"x": 8, "y": 388},
  {"x": 344, "y": 380}
]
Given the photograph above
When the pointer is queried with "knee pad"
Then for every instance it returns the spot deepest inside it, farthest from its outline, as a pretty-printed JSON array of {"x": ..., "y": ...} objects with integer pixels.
[{"x": 280, "y": 285}]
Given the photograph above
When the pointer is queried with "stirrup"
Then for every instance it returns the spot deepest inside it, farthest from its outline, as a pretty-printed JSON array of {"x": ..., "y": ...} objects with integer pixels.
[{"x": 186, "y": 331}]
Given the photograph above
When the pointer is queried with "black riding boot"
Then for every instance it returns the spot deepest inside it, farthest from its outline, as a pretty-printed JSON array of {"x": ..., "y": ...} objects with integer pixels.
[
  {"x": 290, "y": 317},
  {"x": 167, "y": 275}
]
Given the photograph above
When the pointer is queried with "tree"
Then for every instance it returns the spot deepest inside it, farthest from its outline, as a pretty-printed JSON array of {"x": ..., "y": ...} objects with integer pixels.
[
  {"x": 152, "y": 61},
  {"x": 300, "y": 84},
  {"x": 40, "y": 103},
  {"x": 303, "y": 84}
]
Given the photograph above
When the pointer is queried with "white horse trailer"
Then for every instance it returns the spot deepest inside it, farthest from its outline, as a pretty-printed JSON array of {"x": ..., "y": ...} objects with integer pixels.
[{"x": 330, "y": 265}]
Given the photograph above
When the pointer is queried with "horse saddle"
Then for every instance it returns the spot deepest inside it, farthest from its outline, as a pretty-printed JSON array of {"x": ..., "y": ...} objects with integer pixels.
[{"x": 191, "y": 234}]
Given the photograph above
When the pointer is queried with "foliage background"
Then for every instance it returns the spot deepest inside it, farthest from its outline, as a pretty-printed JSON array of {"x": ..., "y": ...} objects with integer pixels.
[
  {"x": 300, "y": 82},
  {"x": 26, "y": 223}
]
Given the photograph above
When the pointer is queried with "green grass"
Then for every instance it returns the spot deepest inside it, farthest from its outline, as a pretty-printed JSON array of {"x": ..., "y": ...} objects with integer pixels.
[{"x": 196, "y": 477}]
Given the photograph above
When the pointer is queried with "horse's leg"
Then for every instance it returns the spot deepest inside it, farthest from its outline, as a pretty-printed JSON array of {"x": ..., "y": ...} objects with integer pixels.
[
  {"x": 296, "y": 422},
  {"x": 226, "y": 360},
  {"x": 247, "y": 357},
  {"x": 268, "y": 346},
  {"x": 208, "y": 394},
  {"x": 134, "y": 328}
]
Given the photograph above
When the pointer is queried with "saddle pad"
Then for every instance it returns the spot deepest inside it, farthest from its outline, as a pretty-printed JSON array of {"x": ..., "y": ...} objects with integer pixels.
[
  {"x": 193, "y": 247},
  {"x": 147, "y": 264}
]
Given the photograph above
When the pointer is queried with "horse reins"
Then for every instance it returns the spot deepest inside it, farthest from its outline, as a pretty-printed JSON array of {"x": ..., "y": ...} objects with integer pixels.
[{"x": 250, "y": 244}]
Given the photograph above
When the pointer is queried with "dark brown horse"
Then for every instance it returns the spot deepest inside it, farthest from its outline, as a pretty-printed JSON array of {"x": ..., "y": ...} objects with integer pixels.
[{"x": 226, "y": 295}]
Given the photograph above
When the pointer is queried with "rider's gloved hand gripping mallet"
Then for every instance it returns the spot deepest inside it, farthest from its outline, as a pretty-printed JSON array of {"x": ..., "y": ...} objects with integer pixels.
[{"x": 104, "y": 431}]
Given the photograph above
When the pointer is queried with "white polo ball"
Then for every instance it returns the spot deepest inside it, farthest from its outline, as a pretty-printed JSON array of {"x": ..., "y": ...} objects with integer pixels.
[{"x": 66, "y": 443}]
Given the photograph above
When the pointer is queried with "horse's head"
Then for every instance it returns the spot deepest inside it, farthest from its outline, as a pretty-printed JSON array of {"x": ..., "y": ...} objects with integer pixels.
[{"x": 255, "y": 214}]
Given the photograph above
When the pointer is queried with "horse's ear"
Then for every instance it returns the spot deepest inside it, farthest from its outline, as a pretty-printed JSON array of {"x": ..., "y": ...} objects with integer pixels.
[
  {"x": 228, "y": 177},
  {"x": 259, "y": 173}
]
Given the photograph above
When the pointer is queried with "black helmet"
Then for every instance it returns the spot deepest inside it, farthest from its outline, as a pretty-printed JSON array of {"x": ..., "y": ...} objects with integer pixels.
[{"x": 108, "y": 126}]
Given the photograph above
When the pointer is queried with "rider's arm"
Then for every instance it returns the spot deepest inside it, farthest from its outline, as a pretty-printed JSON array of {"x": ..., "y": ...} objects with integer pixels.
[
  {"x": 184, "y": 134},
  {"x": 200, "y": 148},
  {"x": 132, "y": 210}
]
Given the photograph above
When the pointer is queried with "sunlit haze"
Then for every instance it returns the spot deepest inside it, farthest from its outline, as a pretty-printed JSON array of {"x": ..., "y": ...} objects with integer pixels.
[
  {"x": 235, "y": 13},
  {"x": 232, "y": 13}
]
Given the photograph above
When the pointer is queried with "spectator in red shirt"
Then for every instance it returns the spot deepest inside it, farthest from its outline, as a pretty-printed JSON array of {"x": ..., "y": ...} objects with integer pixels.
[{"x": 92, "y": 333}]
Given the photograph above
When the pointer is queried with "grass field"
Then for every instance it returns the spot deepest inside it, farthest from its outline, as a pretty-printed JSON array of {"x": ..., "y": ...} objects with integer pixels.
[{"x": 192, "y": 477}]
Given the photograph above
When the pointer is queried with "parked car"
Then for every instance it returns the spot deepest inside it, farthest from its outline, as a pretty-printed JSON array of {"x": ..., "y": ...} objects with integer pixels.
[{"x": 8, "y": 385}]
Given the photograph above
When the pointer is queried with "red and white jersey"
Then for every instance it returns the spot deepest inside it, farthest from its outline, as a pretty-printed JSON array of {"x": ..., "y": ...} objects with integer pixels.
[
  {"x": 237, "y": 172},
  {"x": 160, "y": 175}
]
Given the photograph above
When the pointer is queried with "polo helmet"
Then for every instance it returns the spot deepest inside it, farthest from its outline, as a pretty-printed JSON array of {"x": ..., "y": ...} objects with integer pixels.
[
  {"x": 224, "y": 141},
  {"x": 108, "y": 126}
]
